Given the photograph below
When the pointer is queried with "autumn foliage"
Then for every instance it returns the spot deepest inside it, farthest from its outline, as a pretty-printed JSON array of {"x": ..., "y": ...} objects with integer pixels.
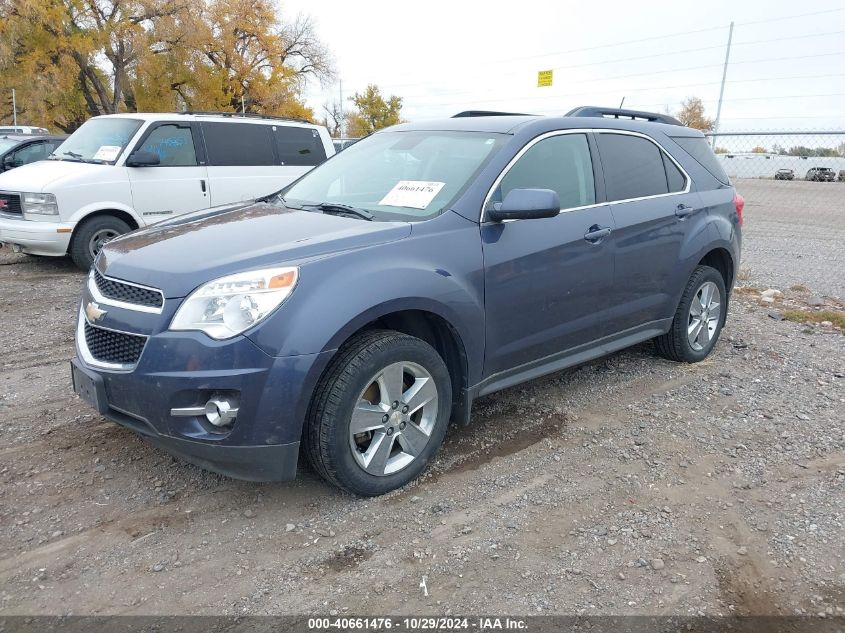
[
  {"x": 72, "y": 59},
  {"x": 692, "y": 115}
]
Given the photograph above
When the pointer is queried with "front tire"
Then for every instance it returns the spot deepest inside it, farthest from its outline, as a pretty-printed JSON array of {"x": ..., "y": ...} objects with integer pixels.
[
  {"x": 698, "y": 320},
  {"x": 379, "y": 413},
  {"x": 90, "y": 236}
]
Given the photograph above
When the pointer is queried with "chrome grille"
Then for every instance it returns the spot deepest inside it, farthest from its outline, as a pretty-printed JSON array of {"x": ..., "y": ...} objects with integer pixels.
[
  {"x": 108, "y": 346},
  {"x": 127, "y": 293}
]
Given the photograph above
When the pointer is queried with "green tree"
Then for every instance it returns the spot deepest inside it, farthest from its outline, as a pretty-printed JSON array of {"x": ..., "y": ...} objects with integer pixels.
[
  {"x": 692, "y": 115},
  {"x": 372, "y": 112}
]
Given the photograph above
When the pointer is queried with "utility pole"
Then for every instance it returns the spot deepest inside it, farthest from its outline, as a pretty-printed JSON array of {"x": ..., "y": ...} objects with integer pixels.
[
  {"x": 243, "y": 105},
  {"x": 340, "y": 125},
  {"x": 14, "y": 109},
  {"x": 722, "y": 88}
]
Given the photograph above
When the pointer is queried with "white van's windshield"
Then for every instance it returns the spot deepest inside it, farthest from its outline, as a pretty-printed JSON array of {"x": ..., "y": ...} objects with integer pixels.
[{"x": 99, "y": 140}]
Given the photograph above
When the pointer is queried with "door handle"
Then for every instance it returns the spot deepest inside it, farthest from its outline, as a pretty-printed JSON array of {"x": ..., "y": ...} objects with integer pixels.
[
  {"x": 683, "y": 210},
  {"x": 596, "y": 233},
  {"x": 202, "y": 185}
]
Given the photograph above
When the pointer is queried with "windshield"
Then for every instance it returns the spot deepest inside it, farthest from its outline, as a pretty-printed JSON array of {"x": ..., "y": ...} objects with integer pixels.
[
  {"x": 7, "y": 144},
  {"x": 99, "y": 140},
  {"x": 398, "y": 175}
]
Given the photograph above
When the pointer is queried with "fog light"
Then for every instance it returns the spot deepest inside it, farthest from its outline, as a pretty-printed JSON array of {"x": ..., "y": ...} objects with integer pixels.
[{"x": 221, "y": 411}]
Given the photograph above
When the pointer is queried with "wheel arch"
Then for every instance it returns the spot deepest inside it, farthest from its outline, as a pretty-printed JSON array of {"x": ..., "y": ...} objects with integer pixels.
[
  {"x": 722, "y": 260},
  {"x": 121, "y": 214},
  {"x": 429, "y": 325}
]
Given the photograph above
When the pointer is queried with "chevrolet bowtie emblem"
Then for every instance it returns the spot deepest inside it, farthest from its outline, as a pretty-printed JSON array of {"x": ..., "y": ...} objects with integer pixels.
[{"x": 93, "y": 312}]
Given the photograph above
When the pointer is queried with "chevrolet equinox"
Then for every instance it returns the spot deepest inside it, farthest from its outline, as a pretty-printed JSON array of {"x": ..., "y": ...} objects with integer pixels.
[{"x": 357, "y": 311}]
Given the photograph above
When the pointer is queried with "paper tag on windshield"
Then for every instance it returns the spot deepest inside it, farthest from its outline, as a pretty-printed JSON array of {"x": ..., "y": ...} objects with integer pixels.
[
  {"x": 107, "y": 152},
  {"x": 416, "y": 194}
]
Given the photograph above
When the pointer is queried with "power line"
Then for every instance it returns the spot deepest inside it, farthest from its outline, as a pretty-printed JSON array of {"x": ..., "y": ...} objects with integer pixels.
[
  {"x": 771, "y": 98},
  {"x": 663, "y": 54},
  {"x": 655, "y": 38},
  {"x": 676, "y": 86},
  {"x": 654, "y": 72},
  {"x": 663, "y": 37},
  {"x": 791, "y": 17}
]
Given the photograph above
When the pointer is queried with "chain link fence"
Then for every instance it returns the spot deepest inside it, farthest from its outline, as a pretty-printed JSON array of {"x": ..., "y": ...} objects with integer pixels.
[{"x": 794, "y": 189}]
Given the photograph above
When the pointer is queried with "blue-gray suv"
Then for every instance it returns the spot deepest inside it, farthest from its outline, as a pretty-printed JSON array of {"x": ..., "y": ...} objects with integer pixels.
[{"x": 356, "y": 312}]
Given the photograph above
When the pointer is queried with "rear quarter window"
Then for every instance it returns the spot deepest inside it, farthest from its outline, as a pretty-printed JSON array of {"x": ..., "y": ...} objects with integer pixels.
[
  {"x": 699, "y": 149},
  {"x": 299, "y": 146}
]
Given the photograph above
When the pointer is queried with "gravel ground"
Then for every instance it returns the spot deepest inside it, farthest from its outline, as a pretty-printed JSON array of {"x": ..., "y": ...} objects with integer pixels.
[{"x": 629, "y": 485}]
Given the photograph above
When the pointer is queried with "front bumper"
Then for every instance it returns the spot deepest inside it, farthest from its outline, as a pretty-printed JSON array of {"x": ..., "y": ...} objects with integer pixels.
[
  {"x": 268, "y": 462},
  {"x": 184, "y": 369},
  {"x": 33, "y": 237}
]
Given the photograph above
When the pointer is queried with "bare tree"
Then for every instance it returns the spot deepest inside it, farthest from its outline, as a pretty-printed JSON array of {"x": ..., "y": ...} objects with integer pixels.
[
  {"x": 333, "y": 118},
  {"x": 304, "y": 52}
]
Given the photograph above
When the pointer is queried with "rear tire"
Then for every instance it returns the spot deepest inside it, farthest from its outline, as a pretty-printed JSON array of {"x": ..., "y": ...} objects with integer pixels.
[
  {"x": 90, "y": 236},
  {"x": 698, "y": 320},
  {"x": 395, "y": 391}
]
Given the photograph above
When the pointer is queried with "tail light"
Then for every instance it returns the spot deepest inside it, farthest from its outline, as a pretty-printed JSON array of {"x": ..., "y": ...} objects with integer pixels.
[{"x": 739, "y": 205}]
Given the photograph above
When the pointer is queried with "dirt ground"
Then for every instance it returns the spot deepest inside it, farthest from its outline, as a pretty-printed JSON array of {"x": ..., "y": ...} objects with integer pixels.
[{"x": 630, "y": 485}]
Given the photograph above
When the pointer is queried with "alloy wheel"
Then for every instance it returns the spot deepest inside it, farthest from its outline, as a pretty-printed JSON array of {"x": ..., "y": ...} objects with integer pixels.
[
  {"x": 393, "y": 419},
  {"x": 704, "y": 316}
]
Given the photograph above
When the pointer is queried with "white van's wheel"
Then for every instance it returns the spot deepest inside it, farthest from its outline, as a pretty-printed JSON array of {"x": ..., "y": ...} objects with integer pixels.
[{"x": 90, "y": 236}]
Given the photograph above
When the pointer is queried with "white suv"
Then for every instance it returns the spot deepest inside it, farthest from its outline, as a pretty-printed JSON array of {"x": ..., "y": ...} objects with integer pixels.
[{"x": 120, "y": 172}]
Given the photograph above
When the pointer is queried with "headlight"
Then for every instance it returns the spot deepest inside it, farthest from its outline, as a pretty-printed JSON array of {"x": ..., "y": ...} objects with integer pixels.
[
  {"x": 40, "y": 203},
  {"x": 227, "y": 306}
]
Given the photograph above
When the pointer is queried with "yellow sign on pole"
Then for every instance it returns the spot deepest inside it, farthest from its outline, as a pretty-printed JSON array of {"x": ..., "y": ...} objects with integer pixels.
[{"x": 544, "y": 78}]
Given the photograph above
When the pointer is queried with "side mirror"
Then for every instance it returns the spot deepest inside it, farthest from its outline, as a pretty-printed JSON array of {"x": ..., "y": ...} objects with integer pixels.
[
  {"x": 142, "y": 159},
  {"x": 526, "y": 204},
  {"x": 8, "y": 163}
]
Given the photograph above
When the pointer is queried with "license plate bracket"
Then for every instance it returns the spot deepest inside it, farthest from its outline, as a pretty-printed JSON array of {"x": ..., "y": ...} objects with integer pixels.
[{"x": 89, "y": 386}]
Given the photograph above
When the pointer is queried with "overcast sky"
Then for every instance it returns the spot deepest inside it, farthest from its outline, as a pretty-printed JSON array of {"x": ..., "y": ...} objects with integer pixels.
[{"x": 786, "y": 69}]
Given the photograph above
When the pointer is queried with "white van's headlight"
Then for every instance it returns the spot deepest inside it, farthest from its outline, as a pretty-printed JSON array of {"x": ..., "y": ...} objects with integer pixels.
[
  {"x": 40, "y": 203},
  {"x": 227, "y": 306}
]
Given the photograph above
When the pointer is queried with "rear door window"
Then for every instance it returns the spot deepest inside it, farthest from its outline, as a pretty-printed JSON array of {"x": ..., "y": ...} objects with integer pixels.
[
  {"x": 676, "y": 179},
  {"x": 299, "y": 145},
  {"x": 239, "y": 144},
  {"x": 633, "y": 167}
]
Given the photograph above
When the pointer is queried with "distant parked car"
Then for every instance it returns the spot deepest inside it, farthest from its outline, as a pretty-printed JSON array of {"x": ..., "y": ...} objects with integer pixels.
[
  {"x": 21, "y": 149},
  {"x": 821, "y": 174},
  {"x": 23, "y": 129},
  {"x": 343, "y": 143},
  {"x": 784, "y": 174}
]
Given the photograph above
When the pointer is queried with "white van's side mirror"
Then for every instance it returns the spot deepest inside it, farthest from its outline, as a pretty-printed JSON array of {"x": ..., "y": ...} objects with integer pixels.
[{"x": 142, "y": 159}]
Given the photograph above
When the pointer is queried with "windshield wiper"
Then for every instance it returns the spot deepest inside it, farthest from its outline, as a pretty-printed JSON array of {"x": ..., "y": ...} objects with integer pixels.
[
  {"x": 342, "y": 209},
  {"x": 77, "y": 158}
]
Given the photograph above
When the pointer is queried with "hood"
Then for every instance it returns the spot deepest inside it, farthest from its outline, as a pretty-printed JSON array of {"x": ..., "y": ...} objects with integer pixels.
[
  {"x": 180, "y": 254},
  {"x": 42, "y": 176}
]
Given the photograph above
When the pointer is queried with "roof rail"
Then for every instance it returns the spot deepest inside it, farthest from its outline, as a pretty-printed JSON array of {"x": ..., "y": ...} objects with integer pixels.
[
  {"x": 469, "y": 113},
  {"x": 246, "y": 115},
  {"x": 618, "y": 113}
]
